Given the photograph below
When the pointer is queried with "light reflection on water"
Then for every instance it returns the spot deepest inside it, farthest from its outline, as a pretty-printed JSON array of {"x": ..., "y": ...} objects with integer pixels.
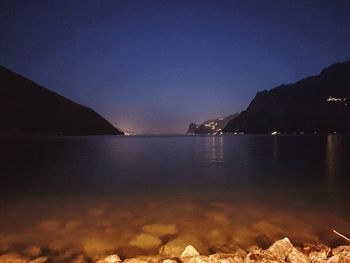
[{"x": 94, "y": 195}]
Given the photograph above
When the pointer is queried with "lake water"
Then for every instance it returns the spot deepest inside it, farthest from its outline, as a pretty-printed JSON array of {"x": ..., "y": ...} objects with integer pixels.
[{"x": 95, "y": 195}]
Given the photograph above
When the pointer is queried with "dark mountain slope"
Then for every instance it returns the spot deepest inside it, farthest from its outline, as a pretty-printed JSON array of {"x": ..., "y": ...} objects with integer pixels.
[
  {"x": 27, "y": 107},
  {"x": 315, "y": 104}
]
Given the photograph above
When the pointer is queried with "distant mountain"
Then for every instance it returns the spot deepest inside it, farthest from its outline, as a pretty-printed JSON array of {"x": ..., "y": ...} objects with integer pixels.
[
  {"x": 26, "y": 107},
  {"x": 211, "y": 126},
  {"x": 318, "y": 104}
]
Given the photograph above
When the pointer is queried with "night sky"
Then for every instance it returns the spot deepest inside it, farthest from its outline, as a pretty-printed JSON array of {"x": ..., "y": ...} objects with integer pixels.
[{"x": 156, "y": 66}]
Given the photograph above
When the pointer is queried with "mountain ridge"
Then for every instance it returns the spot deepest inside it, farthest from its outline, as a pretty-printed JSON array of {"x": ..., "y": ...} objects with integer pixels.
[
  {"x": 27, "y": 107},
  {"x": 315, "y": 104}
]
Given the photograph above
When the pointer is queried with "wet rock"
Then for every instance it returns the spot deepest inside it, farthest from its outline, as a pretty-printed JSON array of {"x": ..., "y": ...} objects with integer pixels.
[
  {"x": 260, "y": 256},
  {"x": 280, "y": 249},
  {"x": 295, "y": 256},
  {"x": 341, "y": 254},
  {"x": 317, "y": 253},
  {"x": 169, "y": 261},
  {"x": 39, "y": 260},
  {"x": 160, "y": 230},
  {"x": 145, "y": 241},
  {"x": 228, "y": 249},
  {"x": 130, "y": 252},
  {"x": 175, "y": 247},
  {"x": 275, "y": 253},
  {"x": 151, "y": 259},
  {"x": 340, "y": 249},
  {"x": 134, "y": 260},
  {"x": 341, "y": 258},
  {"x": 189, "y": 251},
  {"x": 252, "y": 248},
  {"x": 110, "y": 259},
  {"x": 225, "y": 258},
  {"x": 196, "y": 259},
  {"x": 13, "y": 258},
  {"x": 32, "y": 251}
]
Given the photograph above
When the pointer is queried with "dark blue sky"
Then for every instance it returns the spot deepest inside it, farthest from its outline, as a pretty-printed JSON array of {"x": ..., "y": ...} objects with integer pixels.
[{"x": 155, "y": 66}]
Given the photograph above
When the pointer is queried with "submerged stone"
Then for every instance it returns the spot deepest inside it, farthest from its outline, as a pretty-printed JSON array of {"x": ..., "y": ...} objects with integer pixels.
[
  {"x": 13, "y": 258},
  {"x": 265, "y": 227},
  {"x": 160, "y": 230},
  {"x": 175, "y": 247},
  {"x": 80, "y": 259},
  {"x": 97, "y": 246},
  {"x": 145, "y": 241},
  {"x": 39, "y": 260},
  {"x": 32, "y": 251},
  {"x": 218, "y": 218}
]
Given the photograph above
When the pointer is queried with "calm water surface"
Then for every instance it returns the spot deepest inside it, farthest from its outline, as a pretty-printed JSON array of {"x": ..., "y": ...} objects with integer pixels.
[{"x": 94, "y": 195}]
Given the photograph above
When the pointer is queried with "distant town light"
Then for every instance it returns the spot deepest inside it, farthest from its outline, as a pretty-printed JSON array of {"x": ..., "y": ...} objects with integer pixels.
[{"x": 334, "y": 99}]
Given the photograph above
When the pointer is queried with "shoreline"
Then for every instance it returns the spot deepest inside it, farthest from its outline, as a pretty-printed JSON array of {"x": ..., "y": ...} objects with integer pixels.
[{"x": 280, "y": 251}]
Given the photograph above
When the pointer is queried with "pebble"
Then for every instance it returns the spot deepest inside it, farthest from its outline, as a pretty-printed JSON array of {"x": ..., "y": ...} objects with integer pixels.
[
  {"x": 189, "y": 251},
  {"x": 110, "y": 259},
  {"x": 295, "y": 256}
]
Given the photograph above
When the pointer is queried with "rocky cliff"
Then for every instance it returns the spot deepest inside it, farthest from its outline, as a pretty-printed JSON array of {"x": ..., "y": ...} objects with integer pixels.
[{"x": 210, "y": 126}]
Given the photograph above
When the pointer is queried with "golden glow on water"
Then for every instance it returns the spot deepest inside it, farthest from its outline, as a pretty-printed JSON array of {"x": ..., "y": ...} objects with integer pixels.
[
  {"x": 134, "y": 196},
  {"x": 106, "y": 226}
]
